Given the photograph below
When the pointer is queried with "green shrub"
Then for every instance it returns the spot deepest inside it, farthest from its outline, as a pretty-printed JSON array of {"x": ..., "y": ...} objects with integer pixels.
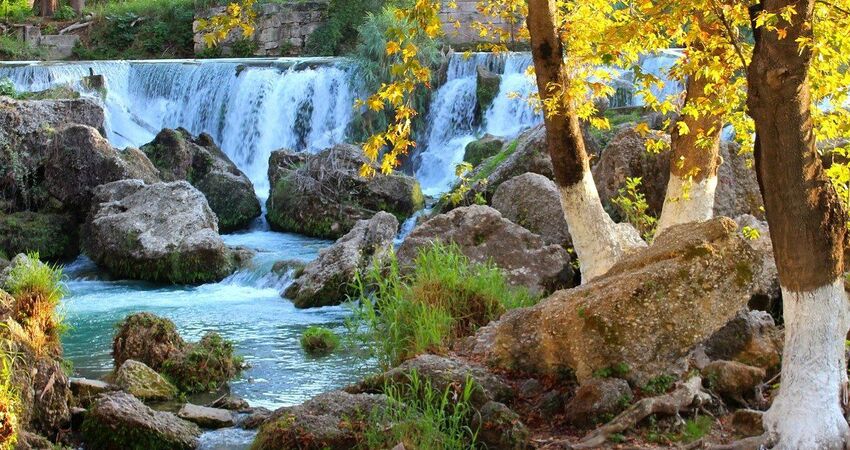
[
  {"x": 344, "y": 16},
  {"x": 423, "y": 418},
  {"x": 444, "y": 298},
  {"x": 64, "y": 12},
  {"x": 140, "y": 29},
  {"x": 10, "y": 401},
  {"x": 244, "y": 47},
  {"x": 15, "y": 10},
  {"x": 14, "y": 49},
  {"x": 632, "y": 203},
  {"x": 318, "y": 341},
  {"x": 7, "y": 88}
]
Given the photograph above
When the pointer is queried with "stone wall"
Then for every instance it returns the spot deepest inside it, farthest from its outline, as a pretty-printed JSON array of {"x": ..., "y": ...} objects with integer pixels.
[
  {"x": 281, "y": 29},
  {"x": 54, "y": 46},
  {"x": 458, "y": 24}
]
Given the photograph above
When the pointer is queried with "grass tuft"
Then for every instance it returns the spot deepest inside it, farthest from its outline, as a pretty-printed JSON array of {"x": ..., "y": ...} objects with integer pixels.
[
  {"x": 422, "y": 417},
  {"x": 445, "y": 297},
  {"x": 38, "y": 290},
  {"x": 318, "y": 341}
]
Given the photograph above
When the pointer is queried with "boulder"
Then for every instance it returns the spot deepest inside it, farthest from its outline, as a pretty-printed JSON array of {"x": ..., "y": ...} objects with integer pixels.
[
  {"x": 147, "y": 338},
  {"x": 598, "y": 401},
  {"x": 481, "y": 149},
  {"x": 80, "y": 159},
  {"x": 206, "y": 417},
  {"x": 532, "y": 201},
  {"x": 328, "y": 421},
  {"x": 143, "y": 382},
  {"x": 443, "y": 373},
  {"x": 733, "y": 380},
  {"x": 738, "y": 189},
  {"x": 230, "y": 194},
  {"x": 626, "y": 157},
  {"x": 482, "y": 234},
  {"x": 487, "y": 88},
  {"x": 323, "y": 195},
  {"x": 54, "y": 236},
  {"x": 500, "y": 428},
  {"x": 163, "y": 232},
  {"x": 328, "y": 279},
  {"x": 230, "y": 403},
  {"x": 120, "y": 421},
  {"x": 647, "y": 313},
  {"x": 85, "y": 391},
  {"x": 527, "y": 153},
  {"x": 748, "y": 422},
  {"x": 751, "y": 338},
  {"x": 768, "y": 293}
]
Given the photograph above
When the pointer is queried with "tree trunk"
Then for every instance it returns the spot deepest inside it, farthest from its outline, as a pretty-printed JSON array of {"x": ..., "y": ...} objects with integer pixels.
[
  {"x": 48, "y": 7},
  {"x": 693, "y": 168},
  {"x": 78, "y": 5},
  {"x": 807, "y": 227},
  {"x": 599, "y": 242}
]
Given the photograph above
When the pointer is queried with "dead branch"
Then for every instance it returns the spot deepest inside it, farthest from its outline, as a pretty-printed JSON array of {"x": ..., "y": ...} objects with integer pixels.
[
  {"x": 688, "y": 394},
  {"x": 76, "y": 26}
]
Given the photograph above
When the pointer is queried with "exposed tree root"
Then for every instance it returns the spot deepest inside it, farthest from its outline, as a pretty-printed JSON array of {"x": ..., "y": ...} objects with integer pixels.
[
  {"x": 750, "y": 443},
  {"x": 687, "y": 394}
]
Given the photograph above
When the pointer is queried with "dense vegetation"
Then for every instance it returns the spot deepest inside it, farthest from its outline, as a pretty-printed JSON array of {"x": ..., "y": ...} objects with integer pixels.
[{"x": 446, "y": 297}]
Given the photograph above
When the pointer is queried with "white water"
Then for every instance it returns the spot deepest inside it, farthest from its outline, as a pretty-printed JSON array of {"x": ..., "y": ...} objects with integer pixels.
[
  {"x": 250, "y": 109},
  {"x": 451, "y": 118}
]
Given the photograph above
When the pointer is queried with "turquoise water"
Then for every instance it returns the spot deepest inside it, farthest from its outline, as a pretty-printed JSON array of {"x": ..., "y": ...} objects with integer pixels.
[{"x": 245, "y": 308}]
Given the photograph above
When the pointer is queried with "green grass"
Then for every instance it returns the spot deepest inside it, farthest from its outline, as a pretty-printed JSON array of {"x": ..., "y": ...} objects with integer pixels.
[
  {"x": 9, "y": 397},
  {"x": 205, "y": 366},
  {"x": 13, "y": 49},
  {"x": 444, "y": 298},
  {"x": 38, "y": 290},
  {"x": 422, "y": 417},
  {"x": 490, "y": 164},
  {"x": 318, "y": 341},
  {"x": 15, "y": 10}
]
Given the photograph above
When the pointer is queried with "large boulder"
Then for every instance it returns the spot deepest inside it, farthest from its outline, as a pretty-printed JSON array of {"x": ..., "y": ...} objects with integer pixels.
[
  {"x": 647, "y": 313},
  {"x": 626, "y": 157},
  {"x": 147, "y": 338},
  {"x": 329, "y": 421},
  {"x": 487, "y": 88},
  {"x": 328, "y": 279},
  {"x": 751, "y": 338},
  {"x": 81, "y": 159},
  {"x": 230, "y": 194},
  {"x": 143, "y": 382},
  {"x": 482, "y": 234},
  {"x": 120, "y": 421},
  {"x": 533, "y": 202},
  {"x": 768, "y": 292},
  {"x": 323, "y": 195},
  {"x": 597, "y": 401},
  {"x": 162, "y": 232},
  {"x": 206, "y": 417}
]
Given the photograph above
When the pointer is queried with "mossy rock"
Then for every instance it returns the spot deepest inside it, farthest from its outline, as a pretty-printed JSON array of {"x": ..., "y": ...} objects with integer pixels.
[
  {"x": 143, "y": 382},
  {"x": 204, "y": 366},
  {"x": 55, "y": 237},
  {"x": 478, "y": 151},
  {"x": 119, "y": 421},
  {"x": 487, "y": 89}
]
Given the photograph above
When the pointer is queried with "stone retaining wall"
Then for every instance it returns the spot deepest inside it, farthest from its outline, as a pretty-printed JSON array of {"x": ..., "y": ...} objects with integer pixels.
[
  {"x": 458, "y": 23},
  {"x": 282, "y": 29}
]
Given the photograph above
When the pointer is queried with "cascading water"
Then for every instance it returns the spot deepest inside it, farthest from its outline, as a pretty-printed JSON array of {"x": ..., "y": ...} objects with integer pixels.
[
  {"x": 249, "y": 109},
  {"x": 452, "y": 121}
]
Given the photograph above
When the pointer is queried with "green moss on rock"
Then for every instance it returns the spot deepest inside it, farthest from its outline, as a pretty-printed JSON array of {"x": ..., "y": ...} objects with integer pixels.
[{"x": 53, "y": 236}]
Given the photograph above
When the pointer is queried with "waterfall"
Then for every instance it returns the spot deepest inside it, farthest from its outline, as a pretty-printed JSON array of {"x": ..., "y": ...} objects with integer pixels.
[
  {"x": 252, "y": 107},
  {"x": 249, "y": 108}
]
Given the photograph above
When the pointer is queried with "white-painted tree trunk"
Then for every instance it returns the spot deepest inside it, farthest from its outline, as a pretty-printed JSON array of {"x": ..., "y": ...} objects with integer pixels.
[
  {"x": 598, "y": 242},
  {"x": 808, "y": 414},
  {"x": 687, "y": 202}
]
